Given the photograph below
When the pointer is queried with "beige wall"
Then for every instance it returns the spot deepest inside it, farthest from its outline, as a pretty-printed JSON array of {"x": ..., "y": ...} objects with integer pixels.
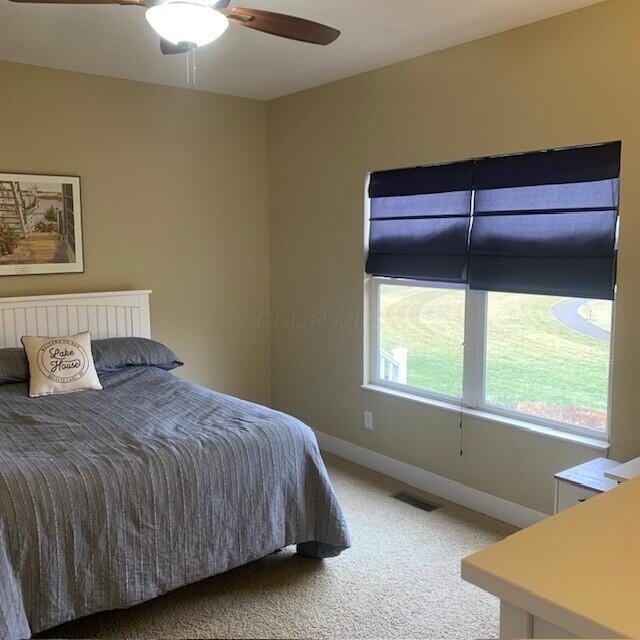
[
  {"x": 174, "y": 191},
  {"x": 177, "y": 187},
  {"x": 566, "y": 81}
]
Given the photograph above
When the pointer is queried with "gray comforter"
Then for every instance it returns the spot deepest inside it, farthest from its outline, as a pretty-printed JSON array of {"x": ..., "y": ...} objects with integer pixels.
[{"x": 110, "y": 498}]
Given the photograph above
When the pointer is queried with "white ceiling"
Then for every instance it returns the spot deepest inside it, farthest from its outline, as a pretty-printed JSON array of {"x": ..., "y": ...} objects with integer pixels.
[{"x": 117, "y": 41}]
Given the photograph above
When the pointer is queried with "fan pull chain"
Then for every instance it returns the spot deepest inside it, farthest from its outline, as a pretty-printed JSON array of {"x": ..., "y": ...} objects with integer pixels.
[
  {"x": 191, "y": 66},
  {"x": 194, "y": 67}
]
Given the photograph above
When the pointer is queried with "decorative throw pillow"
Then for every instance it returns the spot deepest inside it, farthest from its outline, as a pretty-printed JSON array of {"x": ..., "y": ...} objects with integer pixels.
[{"x": 60, "y": 365}]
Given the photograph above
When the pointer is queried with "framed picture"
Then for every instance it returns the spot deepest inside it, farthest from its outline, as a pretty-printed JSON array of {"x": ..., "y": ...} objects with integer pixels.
[{"x": 40, "y": 224}]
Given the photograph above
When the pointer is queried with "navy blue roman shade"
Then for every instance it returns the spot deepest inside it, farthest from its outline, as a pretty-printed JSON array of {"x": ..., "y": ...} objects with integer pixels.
[
  {"x": 542, "y": 222},
  {"x": 546, "y": 222},
  {"x": 419, "y": 222}
]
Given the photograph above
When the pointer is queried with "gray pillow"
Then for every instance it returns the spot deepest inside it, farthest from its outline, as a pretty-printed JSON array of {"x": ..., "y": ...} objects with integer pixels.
[
  {"x": 13, "y": 366},
  {"x": 114, "y": 354}
]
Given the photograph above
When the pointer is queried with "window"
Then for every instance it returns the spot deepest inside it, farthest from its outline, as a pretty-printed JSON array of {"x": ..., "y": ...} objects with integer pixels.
[
  {"x": 538, "y": 358},
  {"x": 492, "y": 284},
  {"x": 549, "y": 357},
  {"x": 421, "y": 337}
]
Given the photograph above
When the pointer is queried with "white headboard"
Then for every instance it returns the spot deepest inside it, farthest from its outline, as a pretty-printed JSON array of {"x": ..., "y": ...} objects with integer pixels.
[{"x": 116, "y": 314}]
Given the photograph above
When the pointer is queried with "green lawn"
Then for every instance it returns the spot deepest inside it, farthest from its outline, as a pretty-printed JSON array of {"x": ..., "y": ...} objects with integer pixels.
[{"x": 534, "y": 362}]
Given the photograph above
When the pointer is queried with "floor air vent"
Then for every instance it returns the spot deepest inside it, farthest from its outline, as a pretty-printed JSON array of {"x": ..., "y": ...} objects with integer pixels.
[{"x": 419, "y": 503}]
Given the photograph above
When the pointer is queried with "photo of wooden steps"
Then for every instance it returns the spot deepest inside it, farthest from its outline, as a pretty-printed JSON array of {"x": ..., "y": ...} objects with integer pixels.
[{"x": 36, "y": 224}]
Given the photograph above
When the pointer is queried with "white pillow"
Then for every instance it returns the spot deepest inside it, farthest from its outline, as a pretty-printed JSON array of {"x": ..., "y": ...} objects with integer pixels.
[{"x": 60, "y": 365}]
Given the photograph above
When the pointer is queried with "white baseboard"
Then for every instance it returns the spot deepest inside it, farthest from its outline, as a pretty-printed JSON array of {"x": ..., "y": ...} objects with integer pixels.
[{"x": 433, "y": 483}]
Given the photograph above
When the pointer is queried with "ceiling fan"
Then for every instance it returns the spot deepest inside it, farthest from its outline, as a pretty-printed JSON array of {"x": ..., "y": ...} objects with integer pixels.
[{"x": 184, "y": 25}]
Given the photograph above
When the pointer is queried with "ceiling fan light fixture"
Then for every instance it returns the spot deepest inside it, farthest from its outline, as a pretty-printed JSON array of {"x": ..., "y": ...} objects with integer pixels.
[{"x": 180, "y": 21}]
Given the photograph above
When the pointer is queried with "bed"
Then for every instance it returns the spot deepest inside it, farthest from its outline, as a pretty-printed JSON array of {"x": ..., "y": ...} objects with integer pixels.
[{"x": 110, "y": 498}]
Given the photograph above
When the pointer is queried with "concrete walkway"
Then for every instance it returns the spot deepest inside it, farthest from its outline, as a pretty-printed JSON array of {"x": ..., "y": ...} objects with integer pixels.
[{"x": 567, "y": 313}]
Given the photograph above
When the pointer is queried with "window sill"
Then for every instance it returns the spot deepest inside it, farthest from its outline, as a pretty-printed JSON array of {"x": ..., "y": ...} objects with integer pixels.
[{"x": 536, "y": 429}]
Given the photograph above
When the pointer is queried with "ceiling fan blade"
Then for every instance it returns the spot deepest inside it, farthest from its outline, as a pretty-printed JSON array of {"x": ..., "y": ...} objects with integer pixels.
[
  {"x": 168, "y": 48},
  {"x": 278, "y": 24}
]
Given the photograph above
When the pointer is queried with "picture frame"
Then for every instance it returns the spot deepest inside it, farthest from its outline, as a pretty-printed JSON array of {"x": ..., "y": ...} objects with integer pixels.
[{"x": 40, "y": 224}]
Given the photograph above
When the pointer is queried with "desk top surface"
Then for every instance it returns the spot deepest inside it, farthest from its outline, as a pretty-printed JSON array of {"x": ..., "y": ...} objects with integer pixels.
[
  {"x": 624, "y": 471},
  {"x": 579, "y": 570},
  {"x": 591, "y": 474}
]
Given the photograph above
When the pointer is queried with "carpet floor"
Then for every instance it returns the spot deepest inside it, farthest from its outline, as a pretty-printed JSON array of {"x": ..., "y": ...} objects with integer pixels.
[{"x": 401, "y": 579}]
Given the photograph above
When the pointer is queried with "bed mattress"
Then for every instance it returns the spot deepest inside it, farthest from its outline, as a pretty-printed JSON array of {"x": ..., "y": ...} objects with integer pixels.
[{"x": 110, "y": 498}]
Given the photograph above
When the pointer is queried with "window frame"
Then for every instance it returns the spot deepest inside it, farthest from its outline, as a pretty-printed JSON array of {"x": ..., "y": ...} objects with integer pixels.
[{"x": 474, "y": 360}]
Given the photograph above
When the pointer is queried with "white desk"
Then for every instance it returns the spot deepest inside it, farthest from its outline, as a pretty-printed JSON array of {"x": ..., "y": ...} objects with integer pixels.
[
  {"x": 576, "y": 574},
  {"x": 625, "y": 471}
]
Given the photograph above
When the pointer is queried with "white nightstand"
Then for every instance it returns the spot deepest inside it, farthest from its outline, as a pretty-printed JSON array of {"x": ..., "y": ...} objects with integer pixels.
[{"x": 580, "y": 483}]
